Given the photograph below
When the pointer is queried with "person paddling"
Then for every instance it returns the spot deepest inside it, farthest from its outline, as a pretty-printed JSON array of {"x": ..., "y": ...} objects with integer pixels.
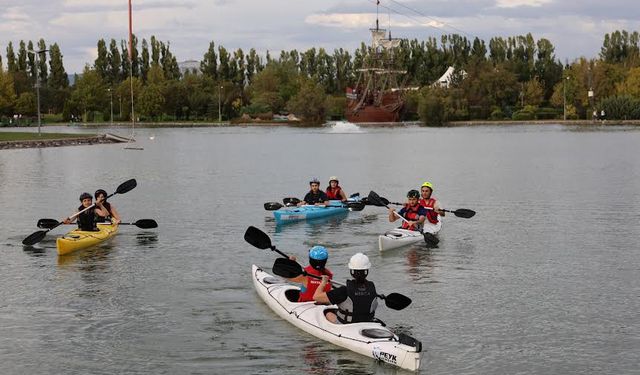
[
  {"x": 430, "y": 203},
  {"x": 101, "y": 198},
  {"x": 87, "y": 220},
  {"x": 315, "y": 196},
  {"x": 334, "y": 191},
  {"x": 412, "y": 211},
  {"x": 318, "y": 256},
  {"x": 357, "y": 301}
]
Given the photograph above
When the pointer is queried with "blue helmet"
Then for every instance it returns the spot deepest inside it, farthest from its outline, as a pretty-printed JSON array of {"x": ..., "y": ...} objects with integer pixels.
[
  {"x": 318, "y": 253},
  {"x": 318, "y": 256}
]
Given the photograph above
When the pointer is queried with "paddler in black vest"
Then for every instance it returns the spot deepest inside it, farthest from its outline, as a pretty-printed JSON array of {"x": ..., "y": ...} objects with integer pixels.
[
  {"x": 88, "y": 219},
  {"x": 412, "y": 211},
  {"x": 357, "y": 301},
  {"x": 101, "y": 197},
  {"x": 315, "y": 196}
]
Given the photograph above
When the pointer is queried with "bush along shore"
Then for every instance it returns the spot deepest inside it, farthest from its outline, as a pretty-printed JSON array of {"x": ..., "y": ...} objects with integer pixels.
[{"x": 32, "y": 140}]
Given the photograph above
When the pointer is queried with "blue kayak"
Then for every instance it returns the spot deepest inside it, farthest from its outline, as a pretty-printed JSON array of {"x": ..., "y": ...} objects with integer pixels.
[{"x": 291, "y": 214}]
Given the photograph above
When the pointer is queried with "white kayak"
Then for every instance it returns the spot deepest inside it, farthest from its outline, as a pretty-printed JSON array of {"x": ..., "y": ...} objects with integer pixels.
[
  {"x": 396, "y": 238},
  {"x": 371, "y": 339}
]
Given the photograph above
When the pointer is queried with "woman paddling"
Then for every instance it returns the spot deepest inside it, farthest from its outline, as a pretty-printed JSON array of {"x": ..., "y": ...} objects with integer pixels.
[
  {"x": 101, "y": 198},
  {"x": 318, "y": 256},
  {"x": 334, "y": 191}
]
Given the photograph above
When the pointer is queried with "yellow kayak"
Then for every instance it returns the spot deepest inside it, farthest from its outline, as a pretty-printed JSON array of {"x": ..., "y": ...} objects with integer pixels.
[{"x": 78, "y": 239}]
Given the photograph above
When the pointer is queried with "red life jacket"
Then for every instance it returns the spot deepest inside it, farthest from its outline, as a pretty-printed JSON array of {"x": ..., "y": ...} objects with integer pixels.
[
  {"x": 334, "y": 193},
  {"x": 429, "y": 204},
  {"x": 313, "y": 283},
  {"x": 411, "y": 214}
]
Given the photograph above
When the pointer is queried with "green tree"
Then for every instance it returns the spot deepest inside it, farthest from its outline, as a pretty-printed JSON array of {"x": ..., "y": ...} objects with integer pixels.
[
  {"x": 101, "y": 64},
  {"x": 309, "y": 103},
  {"x": 123, "y": 92},
  {"x": 114, "y": 64},
  {"x": 22, "y": 57},
  {"x": 209, "y": 63},
  {"x": 7, "y": 93},
  {"x": 58, "y": 77},
  {"x": 90, "y": 92},
  {"x": 144, "y": 62},
  {"x": 224, "y": 70},
  {"x": 26, "y": 104},
  {"x": 12, "y": 64},
  {"x": 31, "y": 62},
  {"x": 42, "y": 63},
  {"x": 253, "y": 65},
  {"x": 631, "y": 85},
  {"x": 533, "y": 92}
]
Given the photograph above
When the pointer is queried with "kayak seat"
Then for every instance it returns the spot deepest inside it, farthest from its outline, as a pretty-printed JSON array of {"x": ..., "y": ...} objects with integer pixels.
[
  {"x": 272, "y": 280},
  {"x": 377, "y": 333},
  {"x": 292, "y": 295}
]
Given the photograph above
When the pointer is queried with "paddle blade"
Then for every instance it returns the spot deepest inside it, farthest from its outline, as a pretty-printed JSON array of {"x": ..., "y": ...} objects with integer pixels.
[
  {"x": 291, "y": 201},
  {"x": 47, "y": 223},
  {"x": 126, "y": 186},
  {"x": 430, "y": 239},
  {"x": 34, "y": 237},
  {"x": 287, "y": 268},
  {"x": 272, "y": 206},
  {"x": 354, "y": 195},
  {"x": 355, "y": 206},
  {"x": 464, "y": 212},
  {"x": 146, "y": 224},
  {"x": 376, "y": 200},
  {"x": 397, "y": 301},
  {"x": 257, "y": 238}
]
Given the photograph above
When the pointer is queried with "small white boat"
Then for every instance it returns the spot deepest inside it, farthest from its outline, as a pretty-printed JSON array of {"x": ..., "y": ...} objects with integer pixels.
[
  {"x": 371, "y": 339},
  {"x": 398, "y": 237}
]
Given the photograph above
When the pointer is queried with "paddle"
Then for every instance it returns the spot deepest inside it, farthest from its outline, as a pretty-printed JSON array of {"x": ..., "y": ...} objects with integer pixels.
[
  {"x": 289, "y": 269},
  {"x": 261, "y": 240},
  {"x": 36, "y": 237},
  {"x": 142, "y": 223},
  {"x": 429, "y": 238},
  {"x": 272, "y": 206},
  {"x": 461, "y": 212},
  {"x": 291, "y": 201}
]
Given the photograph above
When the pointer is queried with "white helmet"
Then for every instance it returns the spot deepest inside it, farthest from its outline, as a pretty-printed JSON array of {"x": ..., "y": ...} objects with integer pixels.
[{"x": 359, "y": 262}]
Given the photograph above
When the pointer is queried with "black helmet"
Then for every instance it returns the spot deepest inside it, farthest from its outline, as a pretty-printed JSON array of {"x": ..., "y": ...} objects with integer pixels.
[
  {"x": 413, "y": 194},
  {"x": 84, "y": 196},
  {"x": 100, "y": 191}
]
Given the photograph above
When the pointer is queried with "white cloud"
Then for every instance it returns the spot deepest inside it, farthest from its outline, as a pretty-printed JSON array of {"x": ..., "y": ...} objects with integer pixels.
[{"x": 520, "y": 3}]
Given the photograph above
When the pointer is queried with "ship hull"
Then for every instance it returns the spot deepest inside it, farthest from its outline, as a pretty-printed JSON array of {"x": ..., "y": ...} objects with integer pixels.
[{"x": 389, "y": 111}]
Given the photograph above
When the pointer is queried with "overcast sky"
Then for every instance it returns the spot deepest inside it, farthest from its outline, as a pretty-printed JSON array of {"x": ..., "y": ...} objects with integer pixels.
[{"x": 576, "y": 28}]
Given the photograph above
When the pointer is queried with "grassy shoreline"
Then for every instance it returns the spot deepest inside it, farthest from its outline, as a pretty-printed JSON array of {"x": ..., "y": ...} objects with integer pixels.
[{"x": 29, "y": 136}]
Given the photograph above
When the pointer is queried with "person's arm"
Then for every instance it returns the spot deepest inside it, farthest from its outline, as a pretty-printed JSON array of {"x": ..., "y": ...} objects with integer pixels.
[
  {"x": 100, "y": 209},
  {"x": 320, "y": 295},
  {"x": 438, "y": 209},
  {"x": 115, "y": 215},
  {"x": 393, "y": 215},
  {"x": 323, "y": 198},
  {"x": 300, "y": 279},
  {"x": 343, "y": 195},
  {"x": 304, "y": 200}
]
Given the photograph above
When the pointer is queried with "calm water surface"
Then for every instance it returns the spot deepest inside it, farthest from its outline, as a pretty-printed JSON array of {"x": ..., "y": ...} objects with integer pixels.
[{"x": 545, "y": 279}]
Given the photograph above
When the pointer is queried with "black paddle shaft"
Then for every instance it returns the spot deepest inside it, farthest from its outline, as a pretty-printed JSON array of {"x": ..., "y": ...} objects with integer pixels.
[{"x": 289, "y": 269}]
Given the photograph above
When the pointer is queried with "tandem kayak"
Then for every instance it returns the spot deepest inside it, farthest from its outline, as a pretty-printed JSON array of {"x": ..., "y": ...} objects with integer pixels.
[
  {"x": 398, "y": 237},
  {"x": 78, "y": 239},
  {"x": 371, "y": 339},
  {"x": 307, "y": 212}
]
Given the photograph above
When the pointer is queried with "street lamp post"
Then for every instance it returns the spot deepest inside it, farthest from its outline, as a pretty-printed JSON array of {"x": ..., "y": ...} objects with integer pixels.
[
  {"x": 37, "y": 54},
  {"x": 111, "y": 103},
  {"x": 219, "y": 107},
  {"x": 564, "y": 98}
]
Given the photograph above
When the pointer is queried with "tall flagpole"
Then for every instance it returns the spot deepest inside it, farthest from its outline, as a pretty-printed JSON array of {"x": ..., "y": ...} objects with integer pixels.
[{"x": 133, "y": 117}]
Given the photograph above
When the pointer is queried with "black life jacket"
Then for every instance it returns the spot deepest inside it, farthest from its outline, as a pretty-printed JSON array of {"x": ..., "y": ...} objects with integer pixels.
[
  {"x": 87, "y": 219},
  {"x": 360, "y": 305}
]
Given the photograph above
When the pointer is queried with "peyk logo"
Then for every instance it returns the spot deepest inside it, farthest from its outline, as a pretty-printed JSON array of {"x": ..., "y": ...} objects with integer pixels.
[{"x": 384, "y": 357}]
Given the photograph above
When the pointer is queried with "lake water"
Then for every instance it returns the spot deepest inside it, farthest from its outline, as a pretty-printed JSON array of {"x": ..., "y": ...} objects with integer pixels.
[{"x": 545, "y": 279}]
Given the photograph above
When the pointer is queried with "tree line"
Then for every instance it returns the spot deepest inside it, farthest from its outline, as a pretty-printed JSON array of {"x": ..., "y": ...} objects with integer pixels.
[{"x": 507, "y": 78}]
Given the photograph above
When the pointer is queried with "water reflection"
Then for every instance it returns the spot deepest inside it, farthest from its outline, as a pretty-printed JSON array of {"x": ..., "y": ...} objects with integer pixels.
[
  {"x": 420, "y": 262},
  {"x": 148, "y": 239}
]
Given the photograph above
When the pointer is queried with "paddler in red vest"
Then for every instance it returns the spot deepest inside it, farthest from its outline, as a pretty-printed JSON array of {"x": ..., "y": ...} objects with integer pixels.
[
  {"x": 412, "y": 211},
  {"x": 318, "y": 256},
  {"x": 334, "y": 191},
  {"x": 431, "y": 204}
]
